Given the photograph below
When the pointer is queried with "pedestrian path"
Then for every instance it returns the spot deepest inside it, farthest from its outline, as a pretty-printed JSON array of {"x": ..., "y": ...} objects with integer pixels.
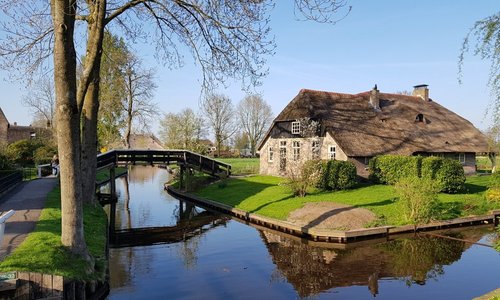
[{"x": 27, "y": 199}]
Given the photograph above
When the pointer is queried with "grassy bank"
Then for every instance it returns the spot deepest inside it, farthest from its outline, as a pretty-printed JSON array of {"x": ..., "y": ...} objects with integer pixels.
[
  {"x": 267, "y": 196},
  {"x": 241, "y": 166},
  {"x": 103, "y": 175},
  {"x": 43, "y": 252}
]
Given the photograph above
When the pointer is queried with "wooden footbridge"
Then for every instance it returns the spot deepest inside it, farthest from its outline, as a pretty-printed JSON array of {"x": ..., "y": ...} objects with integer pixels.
[
  {"x": 187, "y": 161},
  {"x": 183, "y": 158}
]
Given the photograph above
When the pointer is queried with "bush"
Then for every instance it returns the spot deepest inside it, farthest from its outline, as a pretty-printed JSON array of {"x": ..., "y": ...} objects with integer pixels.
[
  {"x": 44, "y": 154},
  {"x": 451, "y": 176},
  {"x": 391, "y": 168},
  {"x": 307, "y": 177},
  {"x": 337, "y": 175},
  {"x": 493, "y": 194},
  {"x": 419, "y": 199},
  {"x": 22, "y": 152}
]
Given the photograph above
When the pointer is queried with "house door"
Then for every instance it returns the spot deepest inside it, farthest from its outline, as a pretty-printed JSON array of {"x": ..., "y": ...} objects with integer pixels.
[{"x": 283, "y": 156}]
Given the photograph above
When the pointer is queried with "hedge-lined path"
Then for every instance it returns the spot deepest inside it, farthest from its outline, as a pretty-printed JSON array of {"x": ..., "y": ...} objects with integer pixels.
[{"x": 28, "y": 200}]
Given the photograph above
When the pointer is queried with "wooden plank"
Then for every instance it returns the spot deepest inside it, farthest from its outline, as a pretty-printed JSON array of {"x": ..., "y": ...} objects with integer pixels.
[
  {"x": 23, "y": 289},
  {"x": 36, "y": 282},
  {"x": 46, "y": 285}
]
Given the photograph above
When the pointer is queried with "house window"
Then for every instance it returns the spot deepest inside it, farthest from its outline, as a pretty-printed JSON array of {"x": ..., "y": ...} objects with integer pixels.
[
  {"x": 331, "y": 152},
  {"x": 419, "y": 118},
  {"x": 315, "y": 149},
  {"x": 296, "y": 150},
  {"x": 282, "y": 156},
  {"x": 295, "y": 127},
  {"x": 367, "y": 160},
  {"x": 32, "y": 135},
  {"x": 461, "y": 157},
  {"x": 270, "y": 154}
]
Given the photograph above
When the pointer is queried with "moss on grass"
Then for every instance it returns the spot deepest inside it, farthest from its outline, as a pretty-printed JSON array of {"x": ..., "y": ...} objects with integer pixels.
[
  {"x": 43, "y": 252},
  {"x": 265, "y": 195}
]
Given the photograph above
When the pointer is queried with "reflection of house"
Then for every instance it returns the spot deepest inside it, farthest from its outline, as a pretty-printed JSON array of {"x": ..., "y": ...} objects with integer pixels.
[
  {"x": 10, "y": 133},
  {"x": 312, "y": 270},
  {"x": 357, "y": 127}
]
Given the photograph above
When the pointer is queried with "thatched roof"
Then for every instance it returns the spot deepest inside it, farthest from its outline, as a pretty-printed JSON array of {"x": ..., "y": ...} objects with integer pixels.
[{"x": 361, "y": 130}]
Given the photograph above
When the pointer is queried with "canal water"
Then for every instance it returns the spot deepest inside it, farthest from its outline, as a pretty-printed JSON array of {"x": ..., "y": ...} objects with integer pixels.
[{"x": 204, "y": 256}]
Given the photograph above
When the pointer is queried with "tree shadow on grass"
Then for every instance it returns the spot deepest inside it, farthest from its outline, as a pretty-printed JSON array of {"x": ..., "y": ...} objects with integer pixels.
[
  {"x": 327, "y": 215},
  {"x": 379, "y": 203},
  {"x": 273, "y": 202},
  {"x": 471, "y": 188}
]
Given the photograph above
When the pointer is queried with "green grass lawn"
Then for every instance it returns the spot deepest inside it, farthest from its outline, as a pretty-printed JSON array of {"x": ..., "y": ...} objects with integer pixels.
[
  {"x": 484, "y": 163},
  {"x": 43, "y": 252},
  {"x": 242, "y": 165},
  {"x": 267, "y": 196}
]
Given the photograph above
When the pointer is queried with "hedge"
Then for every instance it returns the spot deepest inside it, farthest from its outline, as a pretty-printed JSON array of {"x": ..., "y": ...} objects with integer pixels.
[
  {"x": 337, "y": 175},
  {"x": 390, "y": 169}
]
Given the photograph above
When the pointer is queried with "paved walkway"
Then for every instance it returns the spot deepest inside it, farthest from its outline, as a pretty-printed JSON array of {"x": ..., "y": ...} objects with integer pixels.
[{"x": 27, "y": 199}]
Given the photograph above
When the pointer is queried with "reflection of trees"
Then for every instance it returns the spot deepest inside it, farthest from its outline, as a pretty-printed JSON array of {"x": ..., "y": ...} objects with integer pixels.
[
  {"x": 312, "y": 270},
  {"x": 423, "y": 258}
]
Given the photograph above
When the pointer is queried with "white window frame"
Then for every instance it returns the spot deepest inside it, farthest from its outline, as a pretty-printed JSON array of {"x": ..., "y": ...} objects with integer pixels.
[
  {"x": 270, "y": 153},
  {"x": 332, "y": 155},
  {"x": 296, "y": 127},
  {"x": 315, "y": 149},
  {"x": 296, "y": 150},
  {"x": 461, "y": 157}
]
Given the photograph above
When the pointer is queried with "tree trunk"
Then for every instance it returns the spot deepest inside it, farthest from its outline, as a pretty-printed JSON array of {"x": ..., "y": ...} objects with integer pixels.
[
  {"x": 88, "y": 99},
  {"x": 68, "y": 129},
  {"x": 130, "y": 111},
  {"x": 89, "y": 141}
]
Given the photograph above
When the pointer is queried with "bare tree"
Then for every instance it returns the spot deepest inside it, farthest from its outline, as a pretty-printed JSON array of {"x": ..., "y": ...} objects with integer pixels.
[
  {"x": 228, "y": 39},
  {"x": 220, "y": 115},
  {"x": 183, "y": 130},
  {"x": 139, "y": 87},
  {"x": 41, "y": 100},
  {"x": 255, "y": 116}
]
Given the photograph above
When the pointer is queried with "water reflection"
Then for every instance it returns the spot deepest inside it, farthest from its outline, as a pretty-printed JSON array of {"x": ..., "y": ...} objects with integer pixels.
[
  {"x": 198, "y": 255},
  {"x": 312, "y": 270}
]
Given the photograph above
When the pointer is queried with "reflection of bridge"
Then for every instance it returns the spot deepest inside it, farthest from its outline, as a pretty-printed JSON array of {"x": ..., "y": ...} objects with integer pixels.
[
  {"x": 184, "y": 230},
  {"x": 190, "y": 222}
]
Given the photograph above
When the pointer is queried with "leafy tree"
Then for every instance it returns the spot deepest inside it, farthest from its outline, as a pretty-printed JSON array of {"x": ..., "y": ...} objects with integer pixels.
[
  {"x": 111, "y": 89},
  {"x": 255, "y": 116},
  {"x": 227, "y": 40},
  {"x": 23, "y": 152},
  {"x": 484, "y": 41},
  {"x": 219, "y": 112},
  {"x": 183, "y": 130}
]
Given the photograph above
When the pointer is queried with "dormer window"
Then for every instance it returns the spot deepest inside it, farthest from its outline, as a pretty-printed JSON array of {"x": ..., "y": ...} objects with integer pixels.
[
  {"x": 295, "y": 127},
  {"x": 419, "y": 118}
]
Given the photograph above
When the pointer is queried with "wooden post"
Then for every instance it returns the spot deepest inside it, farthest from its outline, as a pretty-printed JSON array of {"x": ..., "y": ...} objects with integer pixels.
[
  {"x": 181, "y": 176},
  {"x": 112, "y": 183}
]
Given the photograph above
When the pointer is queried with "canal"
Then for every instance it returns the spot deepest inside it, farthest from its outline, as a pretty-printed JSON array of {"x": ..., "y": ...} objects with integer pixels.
[{"x": 194, "y": 254}]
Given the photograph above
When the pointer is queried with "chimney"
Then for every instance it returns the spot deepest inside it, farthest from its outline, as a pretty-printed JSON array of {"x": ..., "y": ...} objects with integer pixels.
[
  {"x": 374, "y": 99},
  {"x": 421, "y": 91},
  {"x": 15, "y": 123}
]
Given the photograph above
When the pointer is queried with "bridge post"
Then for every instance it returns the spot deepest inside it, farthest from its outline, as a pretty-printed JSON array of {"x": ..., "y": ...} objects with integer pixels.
[
  {"x": 181, "y": 176},
  {"x": 112, "y": 183}
]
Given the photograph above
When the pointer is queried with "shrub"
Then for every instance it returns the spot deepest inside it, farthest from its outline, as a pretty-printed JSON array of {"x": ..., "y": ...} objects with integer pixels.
[
  {"x": 493, "y": 194},
  {"x": 431, "y": 166},
  {"x": 307, "y": 177},
  {"x": 22, "y": 152},
  {"x": 337, "y": 175},
  {"x": 419, "y": 199},
  {"x": 391, "y": 168},
  {"x": 451, "y": 176},
  {"x": 44, "y": 154}
]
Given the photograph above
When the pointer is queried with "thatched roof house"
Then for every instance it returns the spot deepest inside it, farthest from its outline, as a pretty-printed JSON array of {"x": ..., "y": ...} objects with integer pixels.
[{"x": 360, "y": 126}]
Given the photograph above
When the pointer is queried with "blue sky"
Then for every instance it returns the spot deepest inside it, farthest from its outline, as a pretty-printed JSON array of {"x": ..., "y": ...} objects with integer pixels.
[{"x": 394, "y": 44}]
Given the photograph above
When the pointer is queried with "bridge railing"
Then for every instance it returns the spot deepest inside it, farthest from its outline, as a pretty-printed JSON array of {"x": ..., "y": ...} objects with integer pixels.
[{"x": 163, "y": 157}]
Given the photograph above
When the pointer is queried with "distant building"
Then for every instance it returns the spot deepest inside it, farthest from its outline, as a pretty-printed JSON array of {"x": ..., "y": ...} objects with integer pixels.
[
  {"x": 144, "y": 141},
  {"x": 10, "y": 133}
]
